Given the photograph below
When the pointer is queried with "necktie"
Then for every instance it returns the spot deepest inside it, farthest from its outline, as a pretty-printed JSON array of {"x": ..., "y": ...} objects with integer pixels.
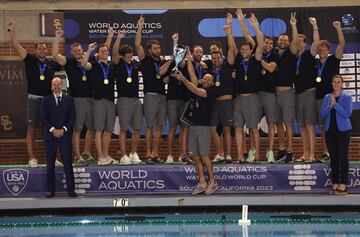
[{"x": 58, "y": 100}]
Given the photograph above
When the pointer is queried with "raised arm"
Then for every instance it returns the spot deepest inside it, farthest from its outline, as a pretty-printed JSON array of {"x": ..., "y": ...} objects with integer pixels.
[
  {"x": 259, "y": 36},
  {"x": 244, "y": 29},
  {"x": 294, "y": 45},
  {"x": 60, "y": 59},
  {"x": 165, "y": 67},
  {"x": 229, "y": 21},
  {"x": 316, "y": 36},
  {"x": 230, "y": 40},
  {"x": 341, "y": 46},
  {"x": 191, "y": 70},
  {"x": 109, "y": 37},
  {"x": 175, "y": 38},
  {"x": 271, "y": 66},
  {"x": 21, "y": 51},
  {"x": 85, "y": 60},
  {"x": 139, "y": 49},
  {"x": 116, "y": 47},
  {"x": 190, "y": 86}
]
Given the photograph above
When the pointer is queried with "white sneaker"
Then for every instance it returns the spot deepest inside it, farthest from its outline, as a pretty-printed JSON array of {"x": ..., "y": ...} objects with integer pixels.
[
  {"x": 107, "y": 160},
  {"x": 251, "y": 156},
  {"x": 103, "y": 161},
  {"x": 218, "y": 158},
  {"x": 228, "y": 159},
  {"x": 270, "y": 157},
  {"x": 170, "y": 159},
  {"x": 112, "y": 161},
  {"x": 211, "y": 188},
  {"x": 199, "y": 189},
  {"x": 134, "y": 158},
  {"x": 125, "y": 160},
  {"x": 33, "y": 163},
  {"x": 58, "y": 163}
]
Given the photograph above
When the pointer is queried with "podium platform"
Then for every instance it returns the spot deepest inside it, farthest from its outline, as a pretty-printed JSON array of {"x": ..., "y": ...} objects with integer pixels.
[{"x": 176, "y": 179}]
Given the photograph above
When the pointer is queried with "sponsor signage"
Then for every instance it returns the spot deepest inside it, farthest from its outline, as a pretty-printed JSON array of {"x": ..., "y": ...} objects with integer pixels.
[{"x": 177, "y": 179}]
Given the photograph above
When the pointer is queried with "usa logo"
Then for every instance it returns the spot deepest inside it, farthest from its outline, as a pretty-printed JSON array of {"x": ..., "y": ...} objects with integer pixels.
[
  {"x": 15, "y": 180},
  {"x": 347, "y": 19}
]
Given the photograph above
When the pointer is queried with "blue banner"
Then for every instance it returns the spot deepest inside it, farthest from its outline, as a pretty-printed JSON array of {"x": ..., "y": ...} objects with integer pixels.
[{"x": 177, "y": 179}]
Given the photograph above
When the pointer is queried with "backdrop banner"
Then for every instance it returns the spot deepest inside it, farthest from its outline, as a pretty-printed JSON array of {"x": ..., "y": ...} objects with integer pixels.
[
  {"x": 13, "y": 121},
  {"x": 204, "y": 26},
  {"x": 195, "y": 27}
]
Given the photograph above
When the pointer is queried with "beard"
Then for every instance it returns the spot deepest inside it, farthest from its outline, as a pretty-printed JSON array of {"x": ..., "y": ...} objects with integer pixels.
[
  {"x": 282, "y": 46},
  {"x": 197, "y": 58},
  {"x": 155, "y": 55},
  {"x": 41, "y": 56}
]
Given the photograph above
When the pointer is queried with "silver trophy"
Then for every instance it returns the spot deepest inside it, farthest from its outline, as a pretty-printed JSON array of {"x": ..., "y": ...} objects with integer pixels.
[{"x": 179, "y": 55}]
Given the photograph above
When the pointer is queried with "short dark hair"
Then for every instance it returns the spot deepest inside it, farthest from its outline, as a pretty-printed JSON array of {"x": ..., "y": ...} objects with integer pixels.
[
  {"x": 100, "y": 46},
  {"x": 283, "y": 34},
  {"x": 196, "y": 46},
  {"x": 39, "y": 43},
  {"x": 75, "y": 44},
  {"x": 125, "y": 49},
  {"x": 269, "y": 37},
  {"x": 303, "y": 37},
  {"x": 217, "y": 43},
  {"x": 151, "y": 42},
  {"x": 247, "y": 43},
  {"x": 216, "y": 52},
  {"x": 325, "y": 43}
]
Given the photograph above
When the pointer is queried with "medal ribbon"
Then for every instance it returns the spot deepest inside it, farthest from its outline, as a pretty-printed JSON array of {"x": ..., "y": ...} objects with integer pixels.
[
  {"x": 298, "y": 61},
  {"x": 157, "y": 67},
  {"x": 266, "y": 56},
  {"x": 217, "y": 73},
  {"x": 42, "y": 68},
  {"x": 199, "y": 71},
  {"x": 245, "y": 66},
  {"x": 321, "y": 67},
  {"x": 128, "y": 69},
  {"x": 83, "y": 70},
  {"x": 105, "y": 70}
]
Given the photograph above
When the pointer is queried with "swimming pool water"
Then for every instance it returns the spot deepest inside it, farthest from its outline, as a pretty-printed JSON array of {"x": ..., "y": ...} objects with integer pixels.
[{"x": 181, "y": 225}]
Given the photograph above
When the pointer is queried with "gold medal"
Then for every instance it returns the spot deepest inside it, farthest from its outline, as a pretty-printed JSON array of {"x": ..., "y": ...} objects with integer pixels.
[
  {"x": 129, "y": 80},
  {"x": 245, "y": 78},
  {"x": 158, "y": 76},
  {"x": 84, "y": 78},
  {"x": 318, "y": 79},
  {"x": 42, "y": 77},
  {"x": 263, "y": 72},
  {"x": 217, "y": 83},
  {"x": 106, "y": 81}
]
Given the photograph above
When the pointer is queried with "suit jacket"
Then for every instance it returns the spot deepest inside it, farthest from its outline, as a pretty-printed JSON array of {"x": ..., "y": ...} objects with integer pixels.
[
  {"x": 343, "y": 109},
  {"x": 57, "y": 116}
]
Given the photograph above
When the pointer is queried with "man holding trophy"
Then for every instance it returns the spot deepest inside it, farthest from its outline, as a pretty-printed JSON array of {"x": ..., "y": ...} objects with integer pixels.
[{"x": 175, "y": 95}]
